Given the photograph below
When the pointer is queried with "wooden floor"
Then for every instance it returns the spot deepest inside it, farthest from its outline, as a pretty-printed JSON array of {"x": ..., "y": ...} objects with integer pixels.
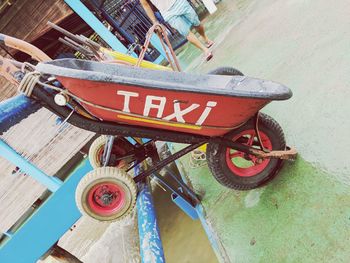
[{"x": 38, "y": 139}]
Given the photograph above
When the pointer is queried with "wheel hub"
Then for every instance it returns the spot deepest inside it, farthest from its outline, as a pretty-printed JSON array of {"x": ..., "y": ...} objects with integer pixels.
[{"x": 106, "y": 198}]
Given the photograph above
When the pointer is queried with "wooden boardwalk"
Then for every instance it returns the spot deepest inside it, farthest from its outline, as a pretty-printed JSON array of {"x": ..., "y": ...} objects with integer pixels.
[{"x": 38, "y": 139}]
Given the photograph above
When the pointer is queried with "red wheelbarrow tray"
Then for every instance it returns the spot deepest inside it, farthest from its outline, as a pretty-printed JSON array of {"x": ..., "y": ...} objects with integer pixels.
[{"x": 209, "y": 105}]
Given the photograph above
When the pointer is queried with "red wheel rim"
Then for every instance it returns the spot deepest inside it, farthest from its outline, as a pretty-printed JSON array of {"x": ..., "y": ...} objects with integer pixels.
[
  {"x": 245, "y": 165},
  {"x": 119, "y": 151},
  {"x": 106, "y": 198},
  {"x": 99, "y": 153}
]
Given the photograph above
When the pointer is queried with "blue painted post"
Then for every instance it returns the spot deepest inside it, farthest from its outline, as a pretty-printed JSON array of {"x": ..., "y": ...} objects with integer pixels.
[
  {"x": 151, "y": 247},
  {"x": 52, "y": 183},
  {"x": 107, "y": 36},
  {"x": 14, "y": 110},
  {"x": 155, "y": 41},
  {"x": 215, "y": 242},
  {"x": 79, "y": 8}
]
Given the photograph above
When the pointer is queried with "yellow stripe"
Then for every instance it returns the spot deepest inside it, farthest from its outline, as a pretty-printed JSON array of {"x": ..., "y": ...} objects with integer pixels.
[{"x": 179, "y": 125}]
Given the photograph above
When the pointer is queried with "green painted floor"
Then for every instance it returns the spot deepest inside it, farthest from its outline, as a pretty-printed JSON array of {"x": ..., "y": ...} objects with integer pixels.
[{"x": 304, "y": 214}]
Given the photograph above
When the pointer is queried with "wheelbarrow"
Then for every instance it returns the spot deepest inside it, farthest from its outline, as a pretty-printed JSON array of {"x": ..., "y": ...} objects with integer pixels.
[{"x": 245, "y": 148}]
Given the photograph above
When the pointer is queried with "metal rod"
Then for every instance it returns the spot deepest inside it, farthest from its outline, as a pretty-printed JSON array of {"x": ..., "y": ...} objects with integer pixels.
[
  {"x": 108, "y": 150},
  {"x": 192, "y": 201},
  {"x": 94, "y": 47},
  {"x": 63, "y": 31},
  {"x": 166, "y": 161},
  {"x": 81, "y": 47},
  {"x": 182, "y": 184},
  {"x": 151, "y": 248},
  {"x": 90, "y": 42},
  {"x": 73, "y": 46},
  {"x": 96, "y": 25}
]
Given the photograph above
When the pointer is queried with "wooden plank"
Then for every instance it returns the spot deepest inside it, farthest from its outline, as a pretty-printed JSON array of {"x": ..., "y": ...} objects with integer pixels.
[
  {"x": 119, "y": 241},
  {"x": 7, "y": 90},
  {"x": 36, "y": 13},
  {"x": 38, "y": 140},
  {"x": 62, "y": 255}
]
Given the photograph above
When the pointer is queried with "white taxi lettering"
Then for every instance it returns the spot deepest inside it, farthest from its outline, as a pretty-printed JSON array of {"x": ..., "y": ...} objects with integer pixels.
[
  {"x": 127, "y": 95},
  {"x": 178, "y": 113},
  {"x": 149, "y": 104},
  {"x": 157, "y": 104},
  {"x": 205, "y": 114}
]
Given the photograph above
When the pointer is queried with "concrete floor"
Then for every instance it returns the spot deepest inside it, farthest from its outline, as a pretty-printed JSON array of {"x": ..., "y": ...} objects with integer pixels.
[{"x": 303, "y": 215}]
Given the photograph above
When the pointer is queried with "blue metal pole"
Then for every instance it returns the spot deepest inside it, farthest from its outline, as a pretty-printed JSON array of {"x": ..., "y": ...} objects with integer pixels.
[
  {"x": 52, "y": 183},
  {"x": 155, "y": 41},
  {"x": 215, "y": 242},
  {"x": 13, "y": 110},
  {"x": 79, "y": 8},
  {"x": 47, "y": 224},
  {"x": 151, "y": 248}
]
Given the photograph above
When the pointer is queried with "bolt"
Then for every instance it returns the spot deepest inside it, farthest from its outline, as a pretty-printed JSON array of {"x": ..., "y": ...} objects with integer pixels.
[
  {"x": 107, "y": 199},
  {"x": 259, "y": 160}
]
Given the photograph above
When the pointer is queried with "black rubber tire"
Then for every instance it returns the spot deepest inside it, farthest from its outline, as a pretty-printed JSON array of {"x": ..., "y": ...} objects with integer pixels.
[
  {"x": 216, "y": 157},
  {"x": 227, "y": 71}
]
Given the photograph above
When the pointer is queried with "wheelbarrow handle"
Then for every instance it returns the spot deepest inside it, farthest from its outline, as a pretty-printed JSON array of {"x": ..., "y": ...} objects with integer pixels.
[
  {"x": 160, "y": 31},
  {"x": 24, "y": 46}
]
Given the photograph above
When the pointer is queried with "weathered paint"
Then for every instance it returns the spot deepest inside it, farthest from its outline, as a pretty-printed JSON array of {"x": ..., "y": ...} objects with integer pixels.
[
  {"x": 151, "y": 248},
  {"x": 214, "y": 240},
  {"x": 185, "y": 206},
  {"x": 13, "y": 110}
]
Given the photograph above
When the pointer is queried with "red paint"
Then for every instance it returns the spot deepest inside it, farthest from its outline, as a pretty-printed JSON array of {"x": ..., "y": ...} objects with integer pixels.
[
  {"x": 117, "y": 150},
  {"x": 95, "y": 196},
  {"x": 234, "y": 157},
  {"x": 228, "y": 113}
]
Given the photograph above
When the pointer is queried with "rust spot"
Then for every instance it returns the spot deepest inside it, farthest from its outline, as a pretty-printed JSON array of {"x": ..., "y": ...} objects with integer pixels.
[
  {"x": 181, "y": 101},
  {"x": 252, "y": 242},
  {"x": 288, "y": 154},
  {"x": 274, "y": 202},
  {"x": 8, "y": 69}
]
